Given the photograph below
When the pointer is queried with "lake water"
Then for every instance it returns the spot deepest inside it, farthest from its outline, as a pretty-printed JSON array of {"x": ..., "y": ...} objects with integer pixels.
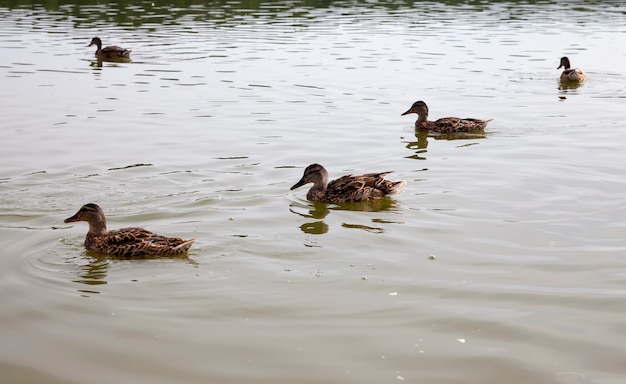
[{"x": 502, "y": 261}]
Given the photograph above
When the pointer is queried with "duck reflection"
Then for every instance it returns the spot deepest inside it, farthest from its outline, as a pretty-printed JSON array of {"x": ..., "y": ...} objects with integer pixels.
[
  {"x": 314, "y": 228},
  {"x": 315, "y": 210},
  {"x": 419, "y": 145},
  {"x": 421, "y": 142},
  {"x": 96, "y": 269},
  {"x": 376, "y": 205},
  {"x": 98, "y": 63},
  {"x": 569, "y": 85},
  {"x": 318, "y": 211},
  {"x": 93, "y": 273}
]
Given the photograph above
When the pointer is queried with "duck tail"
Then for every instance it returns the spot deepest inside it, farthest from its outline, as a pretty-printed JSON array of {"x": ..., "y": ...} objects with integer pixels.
[
  {"x": 184, "y": 247},
  {"x": 394, "y": 187}
]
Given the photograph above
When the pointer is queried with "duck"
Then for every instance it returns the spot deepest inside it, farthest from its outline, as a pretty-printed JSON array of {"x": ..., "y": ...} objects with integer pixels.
[
  {"x": 570, "y": 74},
  {"x": 127, "y": 242},
  {"x": 445, "y": 124},
  {"x": 346, "y": 189},
  {"x": 109, "y": 53}
]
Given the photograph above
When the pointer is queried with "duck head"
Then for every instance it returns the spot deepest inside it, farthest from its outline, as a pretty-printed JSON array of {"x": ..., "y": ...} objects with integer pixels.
[
  {"x": 96, "y": 41},
  {"x": 564, "y": 63},
  {"x": 315, "y": 174},
  {"x": 92, "y": 214},
  {"x": 418, "y": 107}
]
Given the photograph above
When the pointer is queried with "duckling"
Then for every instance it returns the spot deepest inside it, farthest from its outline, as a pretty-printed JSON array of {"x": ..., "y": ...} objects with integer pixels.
[
  {"x": 346, "y": 189},
  {"x": 570, "y": 74},
  {"x": 126, "y": 241},
  {"x": 109, "y": 53},
  {"x": 445, "y": 124}
]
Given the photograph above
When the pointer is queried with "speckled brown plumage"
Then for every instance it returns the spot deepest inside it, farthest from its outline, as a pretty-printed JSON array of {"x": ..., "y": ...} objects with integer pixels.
[
  {"x": 109, "y": 53},
  {"x": 445, "y": 124},
  {"x": 127, "y": 242},
  {"x": 346, "y": 189},
  {"x": 570, "y": 74}
]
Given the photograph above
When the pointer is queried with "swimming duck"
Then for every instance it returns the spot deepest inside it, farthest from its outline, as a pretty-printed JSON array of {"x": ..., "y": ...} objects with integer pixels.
[
  {"x": 346, "y": 189},
  {"x": 126, "y": 241},
  {"x": 570, "y": 74},
  {"x": 112, "y": 52},
  {"x": 445, "y": 124}
]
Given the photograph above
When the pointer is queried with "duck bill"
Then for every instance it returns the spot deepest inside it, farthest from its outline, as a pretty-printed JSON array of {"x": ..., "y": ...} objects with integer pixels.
[
  {"x": 72, "y": 219},
  {"x": 406, "y": 113},
  {"x": 298, "y": 184}
]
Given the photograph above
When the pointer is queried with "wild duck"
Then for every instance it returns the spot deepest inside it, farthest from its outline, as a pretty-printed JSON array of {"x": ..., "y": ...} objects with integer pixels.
[
  {"x": 126, "y": 241},
  {"x": 111, "y": 53},
  {"x": 346, "y": 189},
  {"x": 570, "y": 74},
  {"x": 445, "y": 124}
]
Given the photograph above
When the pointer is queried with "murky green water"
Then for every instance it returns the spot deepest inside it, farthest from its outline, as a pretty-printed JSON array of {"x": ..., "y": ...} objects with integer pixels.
[{"x": 502, "y": 261}]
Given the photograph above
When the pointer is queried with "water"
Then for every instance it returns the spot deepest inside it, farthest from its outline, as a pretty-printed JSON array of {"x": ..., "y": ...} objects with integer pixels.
[{"x": 501, "y": 261}]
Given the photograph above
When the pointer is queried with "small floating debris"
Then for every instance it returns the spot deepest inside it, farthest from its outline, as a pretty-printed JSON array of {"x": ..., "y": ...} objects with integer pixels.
[
  {"x": 130, "y": 166},
  {"x": 432, "y": 257},
  {"x": 462, "y": 341}
]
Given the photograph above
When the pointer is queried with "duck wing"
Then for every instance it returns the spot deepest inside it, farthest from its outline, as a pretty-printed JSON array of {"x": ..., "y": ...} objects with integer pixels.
[
  {"x": 141, "y": 242},
  {"x": 114, "y": 50},
  {"x": 353, "y": 188},
  {"x": 455, "y": 124}
]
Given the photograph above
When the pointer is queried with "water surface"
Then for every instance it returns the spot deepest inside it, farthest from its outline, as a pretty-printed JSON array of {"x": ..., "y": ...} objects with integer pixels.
[{"x": 502, "y": 261}]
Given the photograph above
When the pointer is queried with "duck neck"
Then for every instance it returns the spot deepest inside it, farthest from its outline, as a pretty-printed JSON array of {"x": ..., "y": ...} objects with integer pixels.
[
  {"x": 98, "y": 47},
  {"x": 421, "y": 120},
  {"x": 318, "y": 190},
  {"x": 97, "y": 228}
]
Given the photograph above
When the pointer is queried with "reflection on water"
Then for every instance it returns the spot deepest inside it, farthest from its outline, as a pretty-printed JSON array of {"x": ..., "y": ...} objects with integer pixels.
[
  {"x": 93, "y": 268},
  {"x": 314, "y": 228},
  {"x": 570, "y": 85},
  {"x": 374, "y": 205},
  {"x": 99, "y": 62},
  {"x": 94, "y": 272},
  {"x": 419, "y": 146},
  {"x": 316, "y": 210}
]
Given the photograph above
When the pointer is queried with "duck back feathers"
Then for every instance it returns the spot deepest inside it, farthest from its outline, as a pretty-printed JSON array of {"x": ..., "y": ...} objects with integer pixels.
[
  {"x": 570, "y": 74},
  {"x": 111, "y": 52},
  {"x": 347, "y": 189},
  {"x": 445, "y": 124},
  {"x": 126, "y": 242}
]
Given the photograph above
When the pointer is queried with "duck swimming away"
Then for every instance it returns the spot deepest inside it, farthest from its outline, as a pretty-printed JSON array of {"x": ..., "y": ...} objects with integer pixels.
[
  {"x": 346, "y": 189},
  {"x": 127, "y": 242},
  {"x": 445, "y": 124},
  {"x": 570, "y": 74},
  {"x": 111, "y": 53}
]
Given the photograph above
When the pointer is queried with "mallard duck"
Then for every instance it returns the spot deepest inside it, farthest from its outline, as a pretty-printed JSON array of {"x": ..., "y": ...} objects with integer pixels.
[
  {"x": 445, "y": 124},
  {"x": 126, "y": 241},
  {"x": 112, "y": 52},
  {"x": 346, "y": 189},
  {"x": 570, "y": 74}
]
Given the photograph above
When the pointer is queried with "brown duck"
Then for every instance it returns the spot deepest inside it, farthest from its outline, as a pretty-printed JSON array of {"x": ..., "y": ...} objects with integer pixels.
[
  {"x": 346, "y": 189},
  {"x": 445, "y": 124},
  {"x": 126, "y": 241},
  {"x": 570, "y": 74},
  {"x": 109, "y": 53}
]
